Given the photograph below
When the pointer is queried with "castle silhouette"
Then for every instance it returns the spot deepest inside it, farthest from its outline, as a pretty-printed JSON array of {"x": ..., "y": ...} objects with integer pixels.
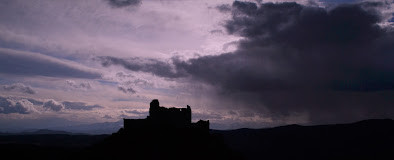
[{"x": 165, "y": 119}]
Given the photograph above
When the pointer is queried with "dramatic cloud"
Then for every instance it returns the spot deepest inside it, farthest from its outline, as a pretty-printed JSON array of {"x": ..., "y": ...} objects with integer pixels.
[
  {"x": 23, "y": 106},
  {"x": 19, "y": 87},
  {"x": 288, "y": 46},
  {"x": 294, "y": 58},
  {"x": 33, "y": 64},
  {"x": 53, "y": 105},
  {"x": 313, "y": 61},
  {"x": 49, "y": 45},
  {"x": 329, "y": 63}
]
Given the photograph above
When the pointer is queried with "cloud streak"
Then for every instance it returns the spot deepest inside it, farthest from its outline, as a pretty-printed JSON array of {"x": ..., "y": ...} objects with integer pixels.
[
  {"x": 80, "y": 106},
  {"x": 19, "y": 87},
  {"x": 15, "y": 62},
  {"x": 124, "y": 3},
  {"x": 150, "y": 65},
  {"x": 59, "y": 106},
  {"x": 29, "y": 105}
]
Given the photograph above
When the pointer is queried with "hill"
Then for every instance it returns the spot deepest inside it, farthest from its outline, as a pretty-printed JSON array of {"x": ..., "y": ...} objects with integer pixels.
[{"x": 368, "y": 139}]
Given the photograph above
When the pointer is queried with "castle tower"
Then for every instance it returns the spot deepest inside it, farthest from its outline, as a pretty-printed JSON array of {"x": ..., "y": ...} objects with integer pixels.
[
  {"x": 165, "y": 118},
  {"x": 154, "y": 107},
  {"x": 155, "y": 103},
  {"x": 189, "y": 114}
]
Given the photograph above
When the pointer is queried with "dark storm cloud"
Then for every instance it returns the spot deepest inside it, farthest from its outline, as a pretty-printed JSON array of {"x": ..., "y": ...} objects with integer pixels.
[
  {"x": 124, "y": 3},
  {"x": 18, "y": 87},
  {"x": 335, "y": 64},
  {"x": 32, "y": 64},
  {"x": 290, "y": 46}
]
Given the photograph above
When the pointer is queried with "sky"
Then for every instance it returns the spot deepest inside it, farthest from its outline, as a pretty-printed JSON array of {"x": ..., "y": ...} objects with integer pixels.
[{"x": 239, "y": 64}]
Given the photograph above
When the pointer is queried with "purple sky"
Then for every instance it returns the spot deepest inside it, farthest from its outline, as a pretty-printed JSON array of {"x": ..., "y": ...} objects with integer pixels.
[{"x": 238, "y": 64}]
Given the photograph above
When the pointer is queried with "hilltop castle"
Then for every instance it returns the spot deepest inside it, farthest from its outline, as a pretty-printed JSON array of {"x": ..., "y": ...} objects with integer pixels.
[{"x": 165, "y": 118}]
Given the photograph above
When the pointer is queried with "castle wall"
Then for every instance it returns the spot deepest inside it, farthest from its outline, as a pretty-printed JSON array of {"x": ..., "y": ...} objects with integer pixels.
[
  {"x": 177, "y": 117},
  {"x": 135, "y": 124},
  {"x": 161, "y": 117}
]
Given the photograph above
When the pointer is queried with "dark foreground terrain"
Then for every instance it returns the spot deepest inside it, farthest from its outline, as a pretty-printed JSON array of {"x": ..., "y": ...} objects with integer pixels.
[{"x": 370, "y": 139}]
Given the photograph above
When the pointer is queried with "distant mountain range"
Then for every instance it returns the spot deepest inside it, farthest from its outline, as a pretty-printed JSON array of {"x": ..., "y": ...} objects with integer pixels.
[
  {"x": 368, "y": 139},
  {"x": 95, "y": 128},
  {"x": 36, "y": 132},
  {"x": 112, "y": 127},
  {"x": 92, "y": 129}
]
